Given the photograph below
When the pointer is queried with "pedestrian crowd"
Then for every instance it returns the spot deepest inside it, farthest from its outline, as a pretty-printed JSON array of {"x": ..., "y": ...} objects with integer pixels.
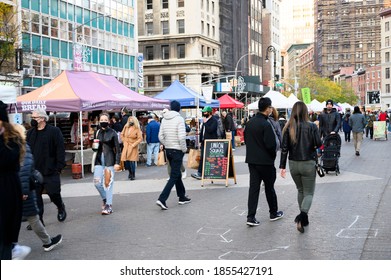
[{"x": 40, "y": 150}]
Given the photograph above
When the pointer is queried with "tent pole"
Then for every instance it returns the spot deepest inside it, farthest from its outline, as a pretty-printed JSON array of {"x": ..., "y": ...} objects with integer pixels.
[{"x": 81, "y": 143}]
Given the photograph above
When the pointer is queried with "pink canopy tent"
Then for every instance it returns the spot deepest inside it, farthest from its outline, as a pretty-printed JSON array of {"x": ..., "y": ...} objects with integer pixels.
[
  {"x": 74, "y": 91},
  {"x": 227, "y": 101},
  {"x": 77, "y": 91}
]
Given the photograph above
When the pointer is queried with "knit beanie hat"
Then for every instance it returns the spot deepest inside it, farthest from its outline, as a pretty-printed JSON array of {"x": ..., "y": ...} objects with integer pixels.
[{"x": 175, "y": 106}]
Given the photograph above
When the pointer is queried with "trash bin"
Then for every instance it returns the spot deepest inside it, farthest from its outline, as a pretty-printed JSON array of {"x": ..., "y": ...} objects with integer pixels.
[{"x": 76, "y": 171}]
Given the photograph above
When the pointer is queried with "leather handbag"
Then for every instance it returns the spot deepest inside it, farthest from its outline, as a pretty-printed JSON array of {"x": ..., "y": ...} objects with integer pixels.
[{"x": 319, "y": 169}]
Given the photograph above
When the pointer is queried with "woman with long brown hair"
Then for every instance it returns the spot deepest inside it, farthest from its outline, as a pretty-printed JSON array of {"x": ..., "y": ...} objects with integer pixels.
[
  {"x": 300, "y": 140},
  {"x": 131, "y": 136},
  {"x": 12, "y": 150}
]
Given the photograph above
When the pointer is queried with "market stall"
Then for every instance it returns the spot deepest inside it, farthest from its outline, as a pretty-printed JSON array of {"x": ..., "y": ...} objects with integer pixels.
[
  {"x": 227, "y": 102},
  {"x": 82, "y": 91}
]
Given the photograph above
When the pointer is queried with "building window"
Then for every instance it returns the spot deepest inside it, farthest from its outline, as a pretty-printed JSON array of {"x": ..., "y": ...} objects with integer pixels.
[
  {"x": 213, "y": 31},
  {"x": 202, "y": 27},
  {"x": 149, "y": 53},
  {"x": 213, "y": 7},
  {"x": 165, "y": 52},
  {"x": 166, "y": 80},
  {"x": 387, "y": 88},
  {"x": 181, "y": 26},
  {"x": 387, "y": 41},
  {"x": 387, "y": 73},
  {"x": 208, "y": 51},
  {"x": 164, "y": 4},
  {"x": 165, "y": 29},
  {"x": 387, "y": 26},
  {"x": 149, "y": 4},
  {"x": 181, "y": 51},
  {"x": 208, "y": 29},
  {"x": 202, "y": 50},
  {"x": 387, "y": 57},
  {"x": 182, "y": 78},
  {"x": 149, "y": 28},
  {"x": 181, "y": 3},
  {"x": 150, "y": 81}
]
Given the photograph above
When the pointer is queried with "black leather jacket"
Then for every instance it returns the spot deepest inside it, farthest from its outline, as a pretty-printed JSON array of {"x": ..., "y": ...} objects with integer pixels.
[
  {"x": 109, "y": 146},
  {"x": 308, "y": 139}
]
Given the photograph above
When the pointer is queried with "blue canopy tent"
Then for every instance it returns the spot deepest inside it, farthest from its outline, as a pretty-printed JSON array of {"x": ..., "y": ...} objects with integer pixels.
[{"x": 185, "y": 96}]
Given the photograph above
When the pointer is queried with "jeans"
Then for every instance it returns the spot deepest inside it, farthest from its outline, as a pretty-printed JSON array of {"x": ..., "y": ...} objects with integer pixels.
[
  {"x": 175, "y": 158},
  {"x": 347, "y": 136},
  {"x": 152, "y": 148},
  {"x": 369, "y": 130},
  {"x": 99, "y": 178},
  {"x": 233, "y": 138},
  {"x": 267, "y": 174},
  {"x": 201, "y": 160},
  {"x": 130, "y": 165},
  {"x": 304, "y": 175}
]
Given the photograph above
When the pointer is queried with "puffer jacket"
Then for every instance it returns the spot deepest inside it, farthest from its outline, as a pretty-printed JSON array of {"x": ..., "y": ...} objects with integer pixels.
[
  {"x": 30, "y": 207},
  {"x": 172, "y": 133},
  {"x": 329, "y": 122},
  {"x": 307, "y": 141},
  {"x": 109, "y": 146}
]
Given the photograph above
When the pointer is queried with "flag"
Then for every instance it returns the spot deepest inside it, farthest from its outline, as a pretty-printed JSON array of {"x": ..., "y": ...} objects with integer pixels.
[{"x": 306, "y": 94}]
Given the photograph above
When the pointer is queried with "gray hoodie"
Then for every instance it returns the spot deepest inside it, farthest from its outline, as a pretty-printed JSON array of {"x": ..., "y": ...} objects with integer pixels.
[{"x": 172, "y": 133}]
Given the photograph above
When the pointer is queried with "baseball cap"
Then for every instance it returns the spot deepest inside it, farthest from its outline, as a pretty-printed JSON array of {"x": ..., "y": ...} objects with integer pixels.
[{"x": 207, "y": 109}]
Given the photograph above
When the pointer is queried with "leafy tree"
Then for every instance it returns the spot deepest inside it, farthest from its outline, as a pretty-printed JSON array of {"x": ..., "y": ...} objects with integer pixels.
[
  {"x": 323, "y": 88},
  {"x": 8, "y": 39}
]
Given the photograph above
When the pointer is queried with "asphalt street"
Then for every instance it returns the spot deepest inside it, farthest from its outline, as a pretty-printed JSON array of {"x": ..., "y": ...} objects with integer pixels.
[{"x": 349, "y": 218}]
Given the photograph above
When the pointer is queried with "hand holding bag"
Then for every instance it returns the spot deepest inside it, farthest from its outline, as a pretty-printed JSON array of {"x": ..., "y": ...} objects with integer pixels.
[
  {"x": 161, "y": 160},
  {"x": 319, "y": 169}
]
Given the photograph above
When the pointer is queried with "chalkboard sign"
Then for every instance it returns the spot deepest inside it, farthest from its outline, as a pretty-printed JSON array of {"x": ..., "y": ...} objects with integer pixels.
[{"x": 218, "y": 161}]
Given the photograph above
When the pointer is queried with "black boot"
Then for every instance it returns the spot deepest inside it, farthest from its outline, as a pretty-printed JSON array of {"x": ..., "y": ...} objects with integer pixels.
[
  {"x": 132, "y": 176},
  {"x": 62, "y": 214},
  {"x": 298, "y": 221},
  {"x": 304, "y": 219}
]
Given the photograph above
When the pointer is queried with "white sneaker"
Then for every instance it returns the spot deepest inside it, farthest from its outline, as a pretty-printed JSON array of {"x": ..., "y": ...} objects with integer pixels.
[
  {"x": 20, "y": 252},
  {"x": 184, "y": 174}
]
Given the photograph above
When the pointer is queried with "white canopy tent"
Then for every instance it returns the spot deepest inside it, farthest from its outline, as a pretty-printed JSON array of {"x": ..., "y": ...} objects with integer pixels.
[
  {"x": 316, "y": 106},
  {"x": 346, "y": 106},
  {"x": 279, "y": 101},
  {"x": 292, "y": 99}
]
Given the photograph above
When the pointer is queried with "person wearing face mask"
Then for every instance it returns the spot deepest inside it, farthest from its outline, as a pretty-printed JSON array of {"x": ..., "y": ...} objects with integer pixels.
[
  {"x": 47, "y": 146},
  {"x": 106, "y": 162},
  {"x": 131, "y": 136},
  {"x": 208, "y": 131}
]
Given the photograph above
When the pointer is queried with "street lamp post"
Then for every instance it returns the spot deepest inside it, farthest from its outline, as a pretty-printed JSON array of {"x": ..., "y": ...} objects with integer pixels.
[
  {"x": 74, "y": 41},
  {"x": 236, "y": 70},
  {"x": 273, "y": 50}
]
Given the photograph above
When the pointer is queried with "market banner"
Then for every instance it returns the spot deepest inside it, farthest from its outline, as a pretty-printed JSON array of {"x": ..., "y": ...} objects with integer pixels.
[{"x": 306, "y": 93}]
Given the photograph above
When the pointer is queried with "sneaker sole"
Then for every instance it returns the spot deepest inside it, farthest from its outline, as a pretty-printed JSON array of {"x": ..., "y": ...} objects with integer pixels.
[
  {"x": 252, "y": 224},
  {"x": 53, "y": 246},
  {"x": 161, "y": 205},
  {"x": 275, "y": 219},
  {"x": 183, "y": 202}
]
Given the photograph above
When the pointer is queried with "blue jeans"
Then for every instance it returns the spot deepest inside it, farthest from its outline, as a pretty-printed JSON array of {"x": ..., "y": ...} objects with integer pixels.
[
  {"x": 175, "y": 158},
  {"x": 233, "y": 138},
  {"x": 130, "y": 165},
  {"x": 152, "y": 148},
  {"x": 99, "y": 178}
]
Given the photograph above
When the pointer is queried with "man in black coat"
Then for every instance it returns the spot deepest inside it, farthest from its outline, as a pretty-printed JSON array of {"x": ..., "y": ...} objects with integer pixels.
[
  {"x": 47, "y": 146},
  {"x": 208, "y": 131},
  {"x": 329, "y": 120},
  {"x": 260, "y": 140}
]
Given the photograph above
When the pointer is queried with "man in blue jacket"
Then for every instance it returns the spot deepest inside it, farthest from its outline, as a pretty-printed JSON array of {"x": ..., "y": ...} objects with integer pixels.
[
  {"x": 153, "y": 143},
  {"x": 261, "y": 144}
]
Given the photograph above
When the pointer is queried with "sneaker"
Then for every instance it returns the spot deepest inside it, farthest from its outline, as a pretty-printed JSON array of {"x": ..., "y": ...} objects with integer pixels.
[
  {"x": 252, "y": 222},
  {"x": 196, "y": 176},
  {"x": 161, "y": 205},
  {"x": 55, "y": 242},
  {"x": 184, "y": 200},
  {"x": 148, "y": 165},
  {"x": 278, "y": 215},
  {"x": 184, "y": 174},
  {"x": 357, "y": 153},
  {"x": 108, "y": 210},
  {"x": 20, "y": 252}
]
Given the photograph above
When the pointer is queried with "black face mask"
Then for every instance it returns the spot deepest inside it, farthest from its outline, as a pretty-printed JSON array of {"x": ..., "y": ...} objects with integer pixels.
[
  {"x": 131, "y": 124},
  {"x": 34, "y": 123},
  {"x": 206, "y": 115},
  {"x": 104, "y": 124}
]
